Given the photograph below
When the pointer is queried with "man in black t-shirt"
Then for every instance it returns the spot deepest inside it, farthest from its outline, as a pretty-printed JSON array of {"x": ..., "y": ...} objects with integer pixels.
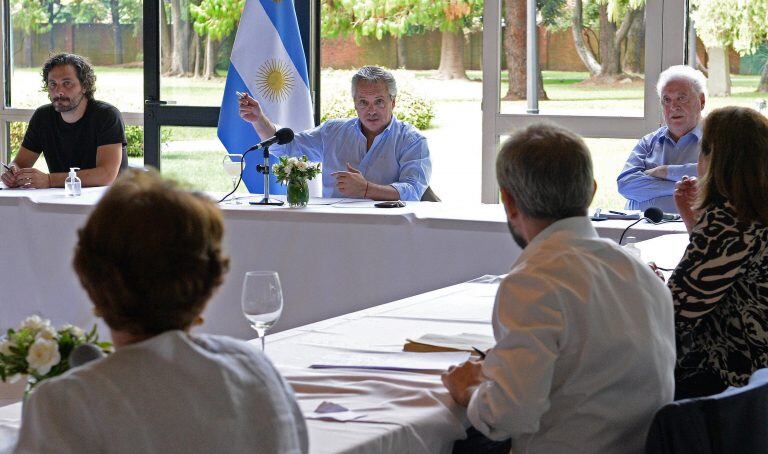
[{"x": 75, "y": 130}]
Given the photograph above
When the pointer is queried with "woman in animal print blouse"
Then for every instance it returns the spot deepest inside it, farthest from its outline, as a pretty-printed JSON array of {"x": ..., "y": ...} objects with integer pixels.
[{"x": 720, "y": 287}]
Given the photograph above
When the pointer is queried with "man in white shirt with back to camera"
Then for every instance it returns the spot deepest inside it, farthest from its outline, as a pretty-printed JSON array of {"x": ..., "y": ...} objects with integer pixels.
[{"x": 585, "y": 348}]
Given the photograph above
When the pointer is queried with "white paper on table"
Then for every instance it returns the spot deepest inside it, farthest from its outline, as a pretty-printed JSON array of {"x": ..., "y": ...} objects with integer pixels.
[
  {"x": 333, "y": 412},
  {"x": 464, "y": 341},
  {"x": 340, "y": 417},
  {"x": 398, "y": 361}
]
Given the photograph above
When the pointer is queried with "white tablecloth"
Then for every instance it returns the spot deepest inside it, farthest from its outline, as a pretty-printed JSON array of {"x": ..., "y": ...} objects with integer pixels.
[
  {"x": 405, "y": 411},
  {"x": 332, "y": 258}
]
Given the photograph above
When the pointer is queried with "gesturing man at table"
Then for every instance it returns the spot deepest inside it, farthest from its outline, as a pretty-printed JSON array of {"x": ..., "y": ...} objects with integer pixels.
[
  {"x": 585, "y": 347},
  {"x": 373, "y": 156},
  {"x": 74, "y": 130}
]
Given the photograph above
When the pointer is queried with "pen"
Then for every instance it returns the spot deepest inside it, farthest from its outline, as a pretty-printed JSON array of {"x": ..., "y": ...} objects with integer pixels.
[
  {"x": 617, "y": 212},
  {"x": 479, "y": 352},
  {"x": 6, "y": 167}
]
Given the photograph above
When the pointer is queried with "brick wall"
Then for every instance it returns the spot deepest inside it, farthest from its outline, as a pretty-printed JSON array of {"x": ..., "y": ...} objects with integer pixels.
[{"x": 93, "y": 40}]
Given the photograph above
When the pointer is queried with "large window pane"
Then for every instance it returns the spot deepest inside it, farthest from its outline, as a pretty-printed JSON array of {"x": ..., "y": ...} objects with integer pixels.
[
  {"x": 438, "y": 75},
  {"x": 193, "y": 157},
  {"x": 608, "y": 158},
  {"x": 193, "y": 66},
  {"x": 111, "y": 40},
  {"x": 583, "y": 76}
]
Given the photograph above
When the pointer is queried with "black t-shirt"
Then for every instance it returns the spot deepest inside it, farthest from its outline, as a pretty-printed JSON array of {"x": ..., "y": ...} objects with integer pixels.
[{"x": 66, "y": 145}]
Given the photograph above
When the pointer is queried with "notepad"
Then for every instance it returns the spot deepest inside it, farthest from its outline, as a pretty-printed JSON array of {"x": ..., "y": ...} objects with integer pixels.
[
  {"x": 448, "y": 343},
  {"x": 398, "y": 361}
]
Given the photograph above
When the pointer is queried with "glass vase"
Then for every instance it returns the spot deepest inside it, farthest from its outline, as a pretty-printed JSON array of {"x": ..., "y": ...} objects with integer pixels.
[{"x": 298, "y": 193}]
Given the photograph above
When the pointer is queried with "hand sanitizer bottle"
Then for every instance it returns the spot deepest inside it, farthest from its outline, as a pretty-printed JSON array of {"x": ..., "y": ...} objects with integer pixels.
[
  {"x": 632, "y": 248},
  {"x": 72, "y": 183}
]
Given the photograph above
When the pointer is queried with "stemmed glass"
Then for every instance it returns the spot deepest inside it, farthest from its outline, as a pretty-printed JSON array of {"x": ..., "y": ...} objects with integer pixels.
[
  {"x": 231, "y": 164},
  {"x": 262, "y": 301}
]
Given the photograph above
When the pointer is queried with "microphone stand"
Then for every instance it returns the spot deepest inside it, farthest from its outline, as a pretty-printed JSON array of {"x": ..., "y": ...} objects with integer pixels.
[{"x": 264, "y": 169}]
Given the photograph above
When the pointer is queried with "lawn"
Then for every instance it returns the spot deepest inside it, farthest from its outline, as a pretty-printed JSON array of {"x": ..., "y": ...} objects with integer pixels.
[{"x": 194, "y": 155}]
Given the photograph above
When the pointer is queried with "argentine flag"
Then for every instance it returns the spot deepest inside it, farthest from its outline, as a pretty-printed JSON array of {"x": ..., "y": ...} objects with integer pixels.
[{"x": 268, "y": 62}]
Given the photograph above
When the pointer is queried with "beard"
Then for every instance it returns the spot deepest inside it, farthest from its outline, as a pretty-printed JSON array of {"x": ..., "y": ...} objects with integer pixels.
[
  {"x": 516, "y": 236},
  {"x": 67, "y": 108}
]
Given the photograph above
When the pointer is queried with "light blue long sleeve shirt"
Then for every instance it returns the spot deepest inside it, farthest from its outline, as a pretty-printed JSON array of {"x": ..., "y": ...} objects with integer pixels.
[
  {"x": 398, "y": 157},
  {"x": 657, "y": 148}
]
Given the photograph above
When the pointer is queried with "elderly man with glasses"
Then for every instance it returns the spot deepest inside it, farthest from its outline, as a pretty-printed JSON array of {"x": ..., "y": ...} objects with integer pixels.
[
  {"x": 373, "y": 156},
  {"x": 664, "y": 156}
]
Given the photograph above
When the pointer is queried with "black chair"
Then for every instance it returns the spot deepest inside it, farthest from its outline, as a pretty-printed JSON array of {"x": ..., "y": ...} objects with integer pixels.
[
  {"x": 734, "y": 421},
  {"x": 429, "y": 195}
]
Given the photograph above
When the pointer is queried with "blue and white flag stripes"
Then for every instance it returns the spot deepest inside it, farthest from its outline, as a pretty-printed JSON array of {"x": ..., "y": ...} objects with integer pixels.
[{"x": 268, "y": 62}]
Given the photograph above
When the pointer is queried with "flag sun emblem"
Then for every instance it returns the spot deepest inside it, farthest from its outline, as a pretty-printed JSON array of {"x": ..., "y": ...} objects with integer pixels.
[{"x": 274, "y": 80}]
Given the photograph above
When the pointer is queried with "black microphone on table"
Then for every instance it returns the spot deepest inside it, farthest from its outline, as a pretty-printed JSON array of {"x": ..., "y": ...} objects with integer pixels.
[
  {"x": 281, "y": 137},
  {"x": 653, "y": 214},
  {"x": 84, "y": 353}
]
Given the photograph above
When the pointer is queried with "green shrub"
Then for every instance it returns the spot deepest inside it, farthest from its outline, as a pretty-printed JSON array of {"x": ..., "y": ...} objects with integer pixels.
[
  {"x": 18, "y": 128},
  {"x": 410, "y": 108},
  {"x": 134, "y": 135}
]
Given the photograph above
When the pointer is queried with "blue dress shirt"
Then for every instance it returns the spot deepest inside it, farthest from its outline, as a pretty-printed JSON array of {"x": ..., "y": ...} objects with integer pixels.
[
  {"x": 655, "y": 149},
  {"x": 398, "y": 157}
]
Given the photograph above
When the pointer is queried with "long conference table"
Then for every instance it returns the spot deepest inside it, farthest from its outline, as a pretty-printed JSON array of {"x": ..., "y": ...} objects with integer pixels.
[
  {"x": 334, "y": 256},
  {"x": 394, "y": 411}
]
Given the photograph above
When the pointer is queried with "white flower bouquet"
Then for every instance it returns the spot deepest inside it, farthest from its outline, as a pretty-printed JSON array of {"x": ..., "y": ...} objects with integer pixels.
[
  {"x": 39, "y": 351},
  {"x": 295, "y": 169}
]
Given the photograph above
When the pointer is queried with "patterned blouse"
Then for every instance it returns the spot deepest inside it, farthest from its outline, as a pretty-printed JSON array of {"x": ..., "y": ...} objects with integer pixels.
[{"x": 720, "y": 292}]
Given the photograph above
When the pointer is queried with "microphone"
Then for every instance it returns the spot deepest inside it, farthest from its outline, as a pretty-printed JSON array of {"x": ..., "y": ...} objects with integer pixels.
[
  {"x": 282, "y": 136},
  {"x": 84, "y": 353},
  {"x": 652, "y": 214},
  {"x": 655, "y": 215}
]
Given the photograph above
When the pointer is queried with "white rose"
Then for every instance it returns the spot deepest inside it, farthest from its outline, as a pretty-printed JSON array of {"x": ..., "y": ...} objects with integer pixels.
[
  {"x": 293, "y": 161},
  {"x": 46, "y": 333},
  {"x": 5, "y": 347},
  {"x": 35, "y": 323},
  {"x": 74, "y": 330},
  {"x": 287, "y": 169},
  {"x": 301, "y": 165},
  {"x": 43, "y": 354}
]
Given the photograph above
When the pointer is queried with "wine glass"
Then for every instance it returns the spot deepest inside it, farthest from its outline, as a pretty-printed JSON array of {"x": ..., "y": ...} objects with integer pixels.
[
  {"x": 262, "y": 300},
  {"x": 231, "y": 164}
]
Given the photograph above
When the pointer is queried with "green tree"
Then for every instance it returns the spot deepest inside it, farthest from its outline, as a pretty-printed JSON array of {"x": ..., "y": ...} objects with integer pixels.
[
  {"x": 516, "y": 39},
  {"x": 741, "y": 24},
  {"x": 614, "y": 20},
  {"x": 402, "y": 17},
  {"x": 34, "y": 17},
  {"x": 215, "y": 19}
]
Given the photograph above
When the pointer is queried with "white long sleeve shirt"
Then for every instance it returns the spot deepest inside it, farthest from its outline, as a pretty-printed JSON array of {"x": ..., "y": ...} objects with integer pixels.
[
  {"x": 585, "y": 348},
  {"x": 172, "y": 393}
]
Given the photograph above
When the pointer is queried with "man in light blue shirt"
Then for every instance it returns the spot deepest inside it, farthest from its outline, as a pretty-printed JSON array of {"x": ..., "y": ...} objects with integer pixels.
[
  {"x": 664, "y": 156},
  {"x": 374, "y": 156}
]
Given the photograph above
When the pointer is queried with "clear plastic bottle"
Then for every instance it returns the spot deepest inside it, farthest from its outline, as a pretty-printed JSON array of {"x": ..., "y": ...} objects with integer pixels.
[
  {"x": 632, "y": 248},
  {"x": 72, "y": 185}
]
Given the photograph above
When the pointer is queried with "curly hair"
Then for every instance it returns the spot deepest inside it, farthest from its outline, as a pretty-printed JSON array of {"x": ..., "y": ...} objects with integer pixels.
[
  {"x": 150, "y": 255},
  {"x": 83, "y": 68}
]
